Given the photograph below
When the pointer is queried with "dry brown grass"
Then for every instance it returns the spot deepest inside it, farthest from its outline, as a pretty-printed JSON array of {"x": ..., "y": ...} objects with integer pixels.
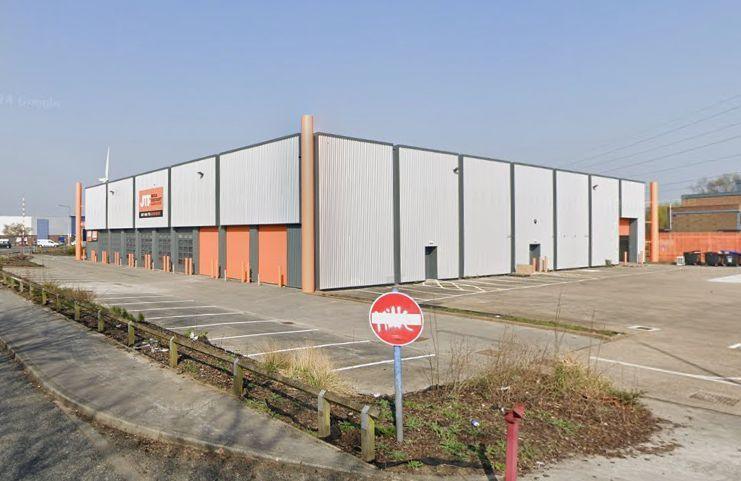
[
  {"x": 73, "y": 293},
  {"x": 311, "y": 366}
]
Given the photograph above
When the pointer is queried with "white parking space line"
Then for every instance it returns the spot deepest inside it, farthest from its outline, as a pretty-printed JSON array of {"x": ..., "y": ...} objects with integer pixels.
[
  {"x": 171, "y": 308},
  {"x": 262, "y": 334},
  {"x": 148, "y": 296},
  {"x": 153, "y": 302},
  {"x": 719, "y": 379},
  {"x": 319, "y": 346},
  {"x": 196, "y": 315},
  {"x": 221, "y": 324},
  {"x": 377, "y": 363}
]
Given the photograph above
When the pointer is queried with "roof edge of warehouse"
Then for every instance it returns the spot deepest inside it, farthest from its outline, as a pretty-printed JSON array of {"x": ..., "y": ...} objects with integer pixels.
[{"x": 378, "y": 142}]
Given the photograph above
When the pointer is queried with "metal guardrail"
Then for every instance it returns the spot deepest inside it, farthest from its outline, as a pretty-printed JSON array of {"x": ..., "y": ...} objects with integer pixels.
[{"x": 239, "y": 364}]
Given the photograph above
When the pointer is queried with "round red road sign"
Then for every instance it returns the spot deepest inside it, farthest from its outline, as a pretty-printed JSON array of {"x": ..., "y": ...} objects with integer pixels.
[{"x": 396, "y": 319}]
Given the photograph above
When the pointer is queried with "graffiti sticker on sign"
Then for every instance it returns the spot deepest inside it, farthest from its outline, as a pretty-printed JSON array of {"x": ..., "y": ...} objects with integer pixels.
[{"x": 150, "y": 202}]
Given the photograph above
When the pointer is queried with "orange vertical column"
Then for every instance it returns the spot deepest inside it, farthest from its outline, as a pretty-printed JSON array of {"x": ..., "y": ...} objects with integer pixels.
[
  {"x": 307, "y": 204},
  {"x": 78, "y": 221},
  {"x": 654, "y": 189}
]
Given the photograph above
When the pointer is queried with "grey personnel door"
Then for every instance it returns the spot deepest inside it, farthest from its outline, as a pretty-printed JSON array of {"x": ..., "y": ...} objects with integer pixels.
[{"x": 430, "y": 262}]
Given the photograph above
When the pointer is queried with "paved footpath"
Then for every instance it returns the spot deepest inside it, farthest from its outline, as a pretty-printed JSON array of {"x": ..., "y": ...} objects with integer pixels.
[{"x": 129, "y": 392}]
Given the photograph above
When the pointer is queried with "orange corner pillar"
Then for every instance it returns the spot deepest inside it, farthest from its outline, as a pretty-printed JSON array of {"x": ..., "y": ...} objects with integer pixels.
[
  {"x": 78, "y": 221},
  {"x": 307, "y": 204},
  {"x": 654, "y": 238}
]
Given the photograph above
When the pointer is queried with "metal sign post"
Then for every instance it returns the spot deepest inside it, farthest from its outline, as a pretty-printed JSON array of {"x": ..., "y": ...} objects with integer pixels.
[
  {"x": 399, "y": 393},
  {"x": 397, "y": 320}
]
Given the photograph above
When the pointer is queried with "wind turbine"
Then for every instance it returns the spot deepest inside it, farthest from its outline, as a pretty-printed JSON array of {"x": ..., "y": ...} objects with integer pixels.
[{"x": 107, "y": 166}]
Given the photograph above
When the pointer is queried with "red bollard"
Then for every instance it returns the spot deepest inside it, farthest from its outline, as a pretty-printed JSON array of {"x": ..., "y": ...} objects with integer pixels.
[{"x": 513, "y": 430}]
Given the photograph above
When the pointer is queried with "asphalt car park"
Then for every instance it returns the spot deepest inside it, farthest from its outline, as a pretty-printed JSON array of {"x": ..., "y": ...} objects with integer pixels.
[
  {"x": 254, "y": 320},
  {"x": 678, "y": 325}
]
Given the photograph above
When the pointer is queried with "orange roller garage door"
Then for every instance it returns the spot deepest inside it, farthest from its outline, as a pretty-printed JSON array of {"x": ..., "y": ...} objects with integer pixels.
[
  {"x": 238, "y": 252},
  {"x": 273, "y": 253},
  {"x": 208, "y": 251}
]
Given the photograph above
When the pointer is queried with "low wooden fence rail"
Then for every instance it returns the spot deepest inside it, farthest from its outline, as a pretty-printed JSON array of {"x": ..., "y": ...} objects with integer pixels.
[{"x": 211, "y": 355}]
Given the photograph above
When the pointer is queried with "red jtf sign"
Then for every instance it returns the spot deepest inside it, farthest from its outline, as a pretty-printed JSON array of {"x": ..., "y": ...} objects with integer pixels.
[{"x": 396, "y": 319}]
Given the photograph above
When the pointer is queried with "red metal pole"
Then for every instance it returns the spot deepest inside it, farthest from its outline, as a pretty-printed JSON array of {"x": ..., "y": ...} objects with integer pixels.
[{"x": 513, "y": 430}]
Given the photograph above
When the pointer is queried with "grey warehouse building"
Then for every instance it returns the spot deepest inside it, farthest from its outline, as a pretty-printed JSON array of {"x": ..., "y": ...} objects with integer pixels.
[{"x": 334, "y": 212}]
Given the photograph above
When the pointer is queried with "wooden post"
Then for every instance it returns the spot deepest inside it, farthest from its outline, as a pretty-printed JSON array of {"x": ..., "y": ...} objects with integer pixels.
[
  {"x": 132, "y": 334},
  {"x": 101, "y": 324},
  {"x": 280, "y": 276},
  {"x": 59, "y": 303},
  {"x": 323, "y": 415},
  {"x": 20, "y": 286},
  {"x": 238, "y": 378},
  {"x": 367, "y": 435},
  {"x": 43, "y": 296},
  {"x": 173, "y": 353},
  {"x": 77, "y": 311}
]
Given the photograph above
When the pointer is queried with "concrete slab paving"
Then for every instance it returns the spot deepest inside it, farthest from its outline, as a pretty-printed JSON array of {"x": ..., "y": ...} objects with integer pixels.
[{"x": 131, "y": 393}]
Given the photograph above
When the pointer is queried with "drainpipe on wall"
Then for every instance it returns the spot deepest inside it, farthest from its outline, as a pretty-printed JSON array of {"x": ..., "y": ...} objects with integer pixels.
[
  {"x": 654, "y": 254},
  {"x": 307, "y": 203}
]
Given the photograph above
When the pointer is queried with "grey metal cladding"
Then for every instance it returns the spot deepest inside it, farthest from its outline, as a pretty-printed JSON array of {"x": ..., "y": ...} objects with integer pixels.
[
  {"x": 95, "y": 207},
  {"x": 150, "y": 180},
  {"x": 605, "y": 220},
  {"x": 486, "y": 219},
  {"x": 355, "y": 201},
  {"x": 428, "y": 212},
  {"x": 121, "y": 204},
  {"x": 260, "y": 185},
  {"x": 633, "y": 201},
  {"x": 193, "y": 193},
  {"x": 572, "y": 210},
  {"x": 533, "y": 211}
]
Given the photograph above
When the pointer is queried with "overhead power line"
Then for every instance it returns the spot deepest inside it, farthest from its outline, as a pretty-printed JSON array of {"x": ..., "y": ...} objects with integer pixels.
[
  {"x": 691, "y": 164},
  {"x": 698, "y": 178},
  {"x": 661, "y": 134},
  {"x": 658, "y": 147},
  {"x": 672, "y": 154}
]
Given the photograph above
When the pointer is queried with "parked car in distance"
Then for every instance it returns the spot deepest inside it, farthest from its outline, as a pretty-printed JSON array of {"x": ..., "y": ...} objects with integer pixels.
[
  {"x": 47, "y": 243},
  {"x": 5, "y": 244}
]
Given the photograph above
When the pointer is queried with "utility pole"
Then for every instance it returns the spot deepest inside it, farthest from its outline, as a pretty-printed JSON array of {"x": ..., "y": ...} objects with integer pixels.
[{"x": 23, "y": 224}]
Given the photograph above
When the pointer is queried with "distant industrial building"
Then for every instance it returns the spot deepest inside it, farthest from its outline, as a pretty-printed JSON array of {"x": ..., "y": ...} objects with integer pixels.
[
  {"x": 318, "y": 210},
  {"x": 709, "y": 212},
  {"x": 41, "y": 227}
]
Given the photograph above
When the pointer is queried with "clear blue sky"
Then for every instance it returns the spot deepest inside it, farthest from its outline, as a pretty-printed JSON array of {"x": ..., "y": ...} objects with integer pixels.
[{"x": 542, "y": 82}]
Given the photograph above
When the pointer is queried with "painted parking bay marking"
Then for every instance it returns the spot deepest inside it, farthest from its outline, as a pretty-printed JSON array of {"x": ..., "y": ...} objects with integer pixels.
[
  {"x": 387, "y": 361},
  {"x": 263, "y": 334},
  {"x": 318, "y": 346},
  {"x": 731, "y": 381}
]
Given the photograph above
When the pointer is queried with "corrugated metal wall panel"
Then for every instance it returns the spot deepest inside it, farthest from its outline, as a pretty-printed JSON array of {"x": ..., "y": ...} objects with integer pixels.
[
  {"x": 572, "y": 226},
  {"x": 633, "y": 199},
  {"x": 260, "y": 185},
  {"x": 487, "y": 229},
  {"x": 121, "y": 204},
  {"x": 355, "y": 213},
  {"x": 152, "y": 180},
  {"x": 95, "y": 207},
  {"x": 428, "y": 200},
  {"x": 634, "y": 206},
  {"x": 533, "y": 212},
  {"x": 194, "y": 193},
  {"x": 605, "y": 220}
]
